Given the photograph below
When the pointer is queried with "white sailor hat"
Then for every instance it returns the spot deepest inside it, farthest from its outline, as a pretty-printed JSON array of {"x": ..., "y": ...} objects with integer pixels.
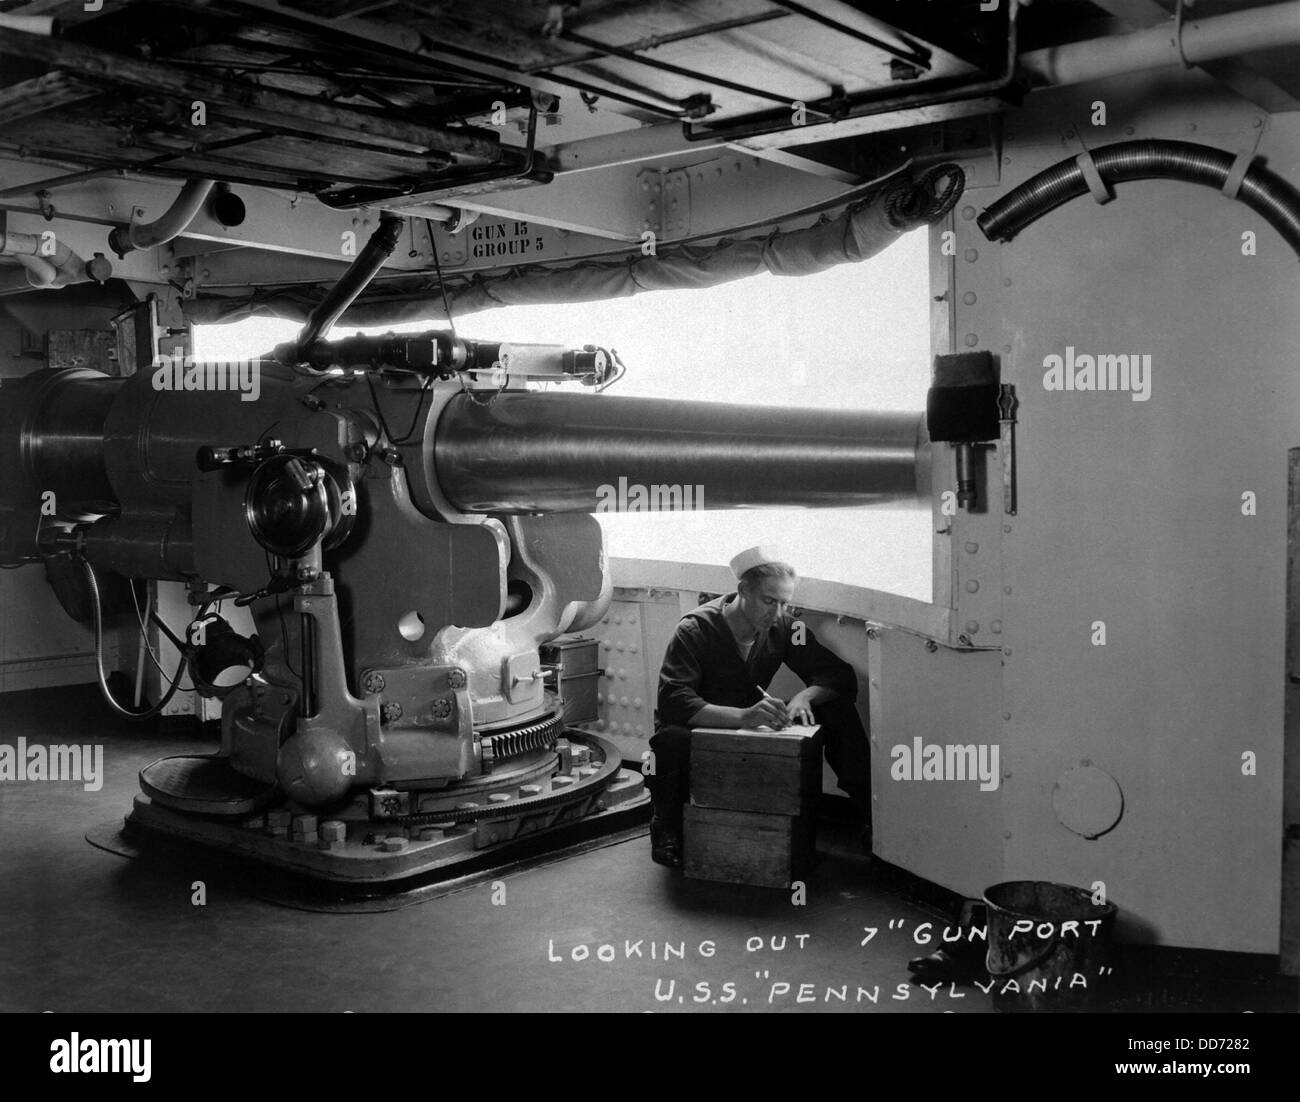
[{"x": 752, "y": 557}]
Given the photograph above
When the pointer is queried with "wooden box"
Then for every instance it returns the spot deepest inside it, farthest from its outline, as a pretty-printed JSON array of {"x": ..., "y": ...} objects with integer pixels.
[
  {"x": 779, "y": 773},
  {"x": 746, "y": 847},
  {"x": 751, "y": 817}
]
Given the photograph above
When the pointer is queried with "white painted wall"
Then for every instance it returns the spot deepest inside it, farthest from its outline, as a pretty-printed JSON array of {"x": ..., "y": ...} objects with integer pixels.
[{"x": 1130, "y": 513}]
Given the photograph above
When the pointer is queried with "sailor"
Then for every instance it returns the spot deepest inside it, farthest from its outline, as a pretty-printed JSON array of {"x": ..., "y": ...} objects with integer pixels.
[{"x": 722, "y": 657}]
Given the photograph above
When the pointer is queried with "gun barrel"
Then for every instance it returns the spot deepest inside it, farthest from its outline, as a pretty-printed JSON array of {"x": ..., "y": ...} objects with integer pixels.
[{"x": 564, "y": 453}]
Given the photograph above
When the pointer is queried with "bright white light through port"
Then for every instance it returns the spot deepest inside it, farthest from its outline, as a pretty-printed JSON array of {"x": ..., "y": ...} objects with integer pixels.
[{"x": 856, "y": 336}]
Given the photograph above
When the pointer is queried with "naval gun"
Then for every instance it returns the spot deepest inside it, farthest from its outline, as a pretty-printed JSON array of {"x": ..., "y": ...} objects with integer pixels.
[{"x": 408, "y": 519}]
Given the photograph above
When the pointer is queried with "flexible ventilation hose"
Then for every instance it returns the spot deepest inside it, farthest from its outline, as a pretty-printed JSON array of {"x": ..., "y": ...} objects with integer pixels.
[
  {"x": 104, "y": 690},
  {"x": 913, "y": 202},
  {"x": 1266, "y": 193}
]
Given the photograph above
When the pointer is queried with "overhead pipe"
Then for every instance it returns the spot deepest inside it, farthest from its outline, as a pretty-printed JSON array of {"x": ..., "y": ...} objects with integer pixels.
[
  {"x": 60, "y": 268},
  {"x": 361, "y": 271},
  {"x": 1208, "y": 39},
  {"x": 36, "y": 273},
  {"x": 874, "y": 102},
  {"x": 443, "y": 215},
  {"x": 655, "y": 41},
  {"x": 47, "y": 25},
  {"x": 147, "y": 235},
  {"x": 1266, "y": 193},
  {"x": 630, "y": 54},
  {"x": 912, "y": 54}
]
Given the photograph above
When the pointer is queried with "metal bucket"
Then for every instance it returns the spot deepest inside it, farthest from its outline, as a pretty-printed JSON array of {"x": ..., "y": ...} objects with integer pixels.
[{"x": 1047, "y": 945}]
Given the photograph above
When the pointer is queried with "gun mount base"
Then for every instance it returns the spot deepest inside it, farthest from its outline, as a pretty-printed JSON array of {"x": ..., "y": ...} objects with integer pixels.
[{"x": 355, "y": 846}]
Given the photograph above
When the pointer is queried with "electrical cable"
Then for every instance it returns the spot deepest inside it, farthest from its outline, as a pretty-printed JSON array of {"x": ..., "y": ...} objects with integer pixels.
[
  {"x": 330, "y": 377},
  {"x": 32, "y": 559},
  {"x": 144, "y": 631},
  {"x": 284, "y": 630},
  {"x": 383, "y": 423},
  {"x": 405, "y": 438},
  {"x": 105, "y": 692},
  {"x": 144, "y": 634},
  {"x": 451, "y": 324},
  {"x": 437, "y": 265}
]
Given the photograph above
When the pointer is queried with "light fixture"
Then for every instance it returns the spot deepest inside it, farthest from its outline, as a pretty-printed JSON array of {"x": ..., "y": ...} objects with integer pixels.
[{"x": 223, "y": 659}]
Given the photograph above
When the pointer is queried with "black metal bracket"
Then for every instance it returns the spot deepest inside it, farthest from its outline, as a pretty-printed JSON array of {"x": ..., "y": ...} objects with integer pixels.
[{"x": 1007, "y": 406}]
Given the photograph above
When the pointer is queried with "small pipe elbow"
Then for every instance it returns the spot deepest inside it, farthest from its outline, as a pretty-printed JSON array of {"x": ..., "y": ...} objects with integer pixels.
[{"x": 148, "y": 235}]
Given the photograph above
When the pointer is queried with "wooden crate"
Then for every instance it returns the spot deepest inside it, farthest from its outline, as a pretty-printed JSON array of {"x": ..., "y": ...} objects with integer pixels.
[
  {"x": 752, "y": 813},
  {"x": 746, "y": 847},
  {"x": 756, "y": 771}
]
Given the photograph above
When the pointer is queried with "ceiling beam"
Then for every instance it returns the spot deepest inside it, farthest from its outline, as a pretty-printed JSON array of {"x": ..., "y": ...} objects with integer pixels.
[
  {"x": 44, "y": 93},
  {"x": 241, "y": 99}
]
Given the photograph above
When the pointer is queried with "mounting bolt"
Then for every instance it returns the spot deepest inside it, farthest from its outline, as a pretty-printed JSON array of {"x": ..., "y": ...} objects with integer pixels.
[
  {"x": 373, "y": 683},
  {"x": 441, "y": 708},
  {"x": 457, "y": 679},
  {"x": 390, "y": 712}
]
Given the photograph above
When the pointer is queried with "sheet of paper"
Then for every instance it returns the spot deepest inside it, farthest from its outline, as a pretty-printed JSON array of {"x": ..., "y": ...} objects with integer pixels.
[{"x": 795, "y": 731}]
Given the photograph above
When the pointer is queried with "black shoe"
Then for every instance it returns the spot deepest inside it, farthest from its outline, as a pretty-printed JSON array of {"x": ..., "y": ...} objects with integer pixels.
[
  {"x": 861, "y": 804},
  {"x": 665, "y": 843},
  {"x": 864, "y": 842},
  {"x": 943, "y": 966},
  {"x": 939, "y": 965}
]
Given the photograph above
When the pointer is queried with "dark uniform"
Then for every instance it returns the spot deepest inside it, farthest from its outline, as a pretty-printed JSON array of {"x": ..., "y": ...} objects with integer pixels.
[{"x": 704, "y": 665}]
